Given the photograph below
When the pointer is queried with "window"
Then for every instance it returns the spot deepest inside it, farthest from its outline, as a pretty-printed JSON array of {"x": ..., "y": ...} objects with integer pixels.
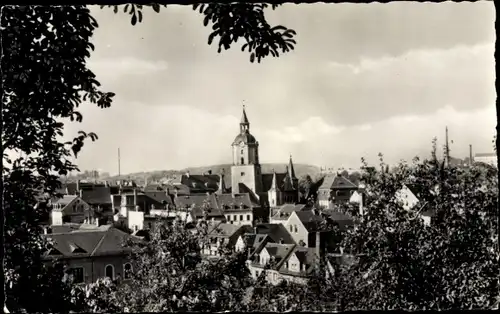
[
  {"x": 248, "y": 217},
  {"x": 77, "y": 274},
  {"x": 235, "y": 217},
  {"x": 241, "y": 217},
  {"x": 242, "y": 151},
  {"x": 295, "y": 227},
  {"x": 242, "y": 174},
  {"x": 242, "y": 160},
  {"x": 127, "y": 270},
  {"x": 110, "y": 271},
  {"x": 291, "y": 228}
]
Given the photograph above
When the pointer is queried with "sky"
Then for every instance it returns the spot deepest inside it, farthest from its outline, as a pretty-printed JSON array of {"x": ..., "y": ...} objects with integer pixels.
[{"x": 363, "y": 79}]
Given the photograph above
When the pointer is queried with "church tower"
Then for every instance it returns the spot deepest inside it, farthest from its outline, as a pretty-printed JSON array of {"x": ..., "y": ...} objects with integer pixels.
[{"x": 246, "y": 167}]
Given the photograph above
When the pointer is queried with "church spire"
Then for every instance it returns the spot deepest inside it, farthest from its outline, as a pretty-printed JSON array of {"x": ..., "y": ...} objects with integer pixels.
[
  {"x": 222, "y": 183},
  {"x": 274, "y": 186},
  {"x": 291, "y": 171},
  {"x": 244, "y": 124}
]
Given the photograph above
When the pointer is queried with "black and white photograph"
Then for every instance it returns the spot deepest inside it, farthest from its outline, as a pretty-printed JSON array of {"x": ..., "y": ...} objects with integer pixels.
[{"x": 249, "y": 157}]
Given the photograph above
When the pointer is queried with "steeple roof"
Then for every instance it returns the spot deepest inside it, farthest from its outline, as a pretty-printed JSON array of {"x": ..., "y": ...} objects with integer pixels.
[
  {"x": 274, "y": 186},
  {"x": 291, "y": 170},
  {"x": 244, "y": 118}
]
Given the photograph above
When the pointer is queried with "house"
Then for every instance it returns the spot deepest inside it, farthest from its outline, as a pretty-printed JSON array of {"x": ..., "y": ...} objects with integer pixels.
[
  {"x": 71, "y": 209},
  {"x": 288, "y": 262},
  {"x": 240, "y": 208},
  {"x": 335, "y": 189},
  {"x": 282, "y": 213},
  {"x": 92, "y": 253},
  {"x": 412, "y": 198},
  {"x": 221, "y": 235},
  {"x": 263, "y": 233}
]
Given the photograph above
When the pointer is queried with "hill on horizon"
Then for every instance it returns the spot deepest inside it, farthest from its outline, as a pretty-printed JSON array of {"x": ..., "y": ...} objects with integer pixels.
[{"x": 140, "y": 177}]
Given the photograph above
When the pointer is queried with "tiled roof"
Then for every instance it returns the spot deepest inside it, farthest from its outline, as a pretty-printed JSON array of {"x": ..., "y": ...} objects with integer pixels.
[
  {"x": 280, "y": 252},
  {"x": 64, "y": 200},
  {"x": 342, "y": 220},
  {"x": 310, "y": 220},
  {"x": 89, "y": 242},
  {"x": 276, "y": 232},
  {"x": 341, "y": 182},
  {"x": 254, "y": 199},
  {"x": 286, "y": 210},
  {"x": 228, "y": 202},
  {"x": 97, "y": 195},
  {"x": 153, "y": 187},
  {"x": 336, "y": 181},
  {"x": 160, "y": 196},
  {"x": 208, "y": 182},
  {"x": 195, "y": 200},
  {"x": 415, "y": 189},
  {"x": 197, "y": 212}
]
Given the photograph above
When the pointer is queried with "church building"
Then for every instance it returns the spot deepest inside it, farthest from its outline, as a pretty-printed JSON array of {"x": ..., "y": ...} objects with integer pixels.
[{"x": 271, "y": 189}]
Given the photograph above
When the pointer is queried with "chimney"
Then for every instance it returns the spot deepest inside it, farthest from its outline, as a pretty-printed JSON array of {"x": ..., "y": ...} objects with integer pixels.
[
  {"x": 282, "y": 241},
  {"x": 209, "y": 172},
  {"x": 187, "y": 173},
  {"x": 81, "y": 193},
  {"x": 255, "y": 230},
  {"x": 318, "y": 244},
  {"x": 106, "y": 183},
  {"x": 137, "y": 208},
  {"x": 135, "y": 197},
  {"x": 77, "y": 186},
  {"x": 175, "y": 193},
  {"x": 152, "y": 206},
  {"x": 96, "y": 221},
  {"x": 471, "y": 158}
]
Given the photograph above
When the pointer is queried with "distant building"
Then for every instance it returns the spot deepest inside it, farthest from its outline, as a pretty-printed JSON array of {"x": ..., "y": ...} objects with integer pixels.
[
  {"x": 487, "y": 158},
  {"x": 335, "y": 189}
]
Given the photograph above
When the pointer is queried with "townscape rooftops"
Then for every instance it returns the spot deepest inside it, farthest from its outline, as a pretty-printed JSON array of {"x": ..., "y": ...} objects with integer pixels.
[
  {"x": 97, "y": 195},
  {"x": 195, "y": 200},
  {"x": 202, "y": 182},
  {"x": 310, "y": 220},
  {"x": 276, "y": 232},
  {"x": 90, "y": 242},
  {"x": 336, "y": 181},
  {"x": 64, "y": 200},
  {"x": 485, "y": 155}
]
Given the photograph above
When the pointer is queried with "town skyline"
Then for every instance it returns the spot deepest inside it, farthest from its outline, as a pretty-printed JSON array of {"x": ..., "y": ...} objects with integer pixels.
[{"x": 346, "y": 92}]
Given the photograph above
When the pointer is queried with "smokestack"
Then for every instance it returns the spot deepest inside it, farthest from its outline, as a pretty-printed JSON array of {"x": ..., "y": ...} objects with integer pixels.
[
  {"x": 119, "y": 170},
  {"x": 135, "y": 197},
  {"x": 318, "y": 244},
  {"x": 77, "y": 186},
  {"x": 471, "y": 159},
  {"x": 81, "y": 193}
]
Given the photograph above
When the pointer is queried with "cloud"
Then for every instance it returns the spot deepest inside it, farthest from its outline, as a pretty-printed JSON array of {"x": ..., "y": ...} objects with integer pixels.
[
  {"x": 362, "y": 79},
  {"x": 305, "y": 131},
  {"x": 129, "y": 66}
]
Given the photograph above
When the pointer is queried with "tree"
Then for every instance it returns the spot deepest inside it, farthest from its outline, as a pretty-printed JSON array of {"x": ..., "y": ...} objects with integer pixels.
[
  {"x": 45, "y": 79},
  {"x": 452, "y": 264},
  {"x": 170, "y": 274}
]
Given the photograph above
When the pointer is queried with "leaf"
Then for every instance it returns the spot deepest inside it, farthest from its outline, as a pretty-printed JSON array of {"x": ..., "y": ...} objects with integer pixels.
[
  {"x": 211, "y": 37},
  {"x": 205, "y": 20},
  {"x": 115, "y": 8},
  {"x": 156, "y": 7},
  {"x": 252, "y": 57},
  {"x": 140, "y": 16},
  {"x": 134, "y": 19}
]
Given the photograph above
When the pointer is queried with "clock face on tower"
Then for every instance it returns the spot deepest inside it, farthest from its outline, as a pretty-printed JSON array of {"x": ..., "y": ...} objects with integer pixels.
[{"x": 242, "y": 144}]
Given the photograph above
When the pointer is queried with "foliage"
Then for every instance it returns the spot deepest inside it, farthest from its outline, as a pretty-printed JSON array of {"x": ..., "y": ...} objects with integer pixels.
[
  {"x": 170, "y": 274},
  {"x": 452, "y": 264},
  {"x": 234, "y": 21},
  {"x": 45, "y": 79}
]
